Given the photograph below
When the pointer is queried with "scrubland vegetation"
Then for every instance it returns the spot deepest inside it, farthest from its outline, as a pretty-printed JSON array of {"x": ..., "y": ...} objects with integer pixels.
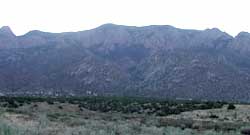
[
  {"x": 119, "y": 116},
  {"x": 118, "y": 104}
]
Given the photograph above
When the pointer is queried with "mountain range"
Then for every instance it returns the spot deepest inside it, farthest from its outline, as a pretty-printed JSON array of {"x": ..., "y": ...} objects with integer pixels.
[{"x": 114, "y": 60}]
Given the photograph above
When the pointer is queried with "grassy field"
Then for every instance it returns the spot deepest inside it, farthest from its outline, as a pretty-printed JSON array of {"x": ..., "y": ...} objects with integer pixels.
[{"x": 70, "y": 117}]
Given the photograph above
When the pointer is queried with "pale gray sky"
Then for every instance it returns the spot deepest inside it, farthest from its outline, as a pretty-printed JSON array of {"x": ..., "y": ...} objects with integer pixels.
[{"x": 231, "y": 16}]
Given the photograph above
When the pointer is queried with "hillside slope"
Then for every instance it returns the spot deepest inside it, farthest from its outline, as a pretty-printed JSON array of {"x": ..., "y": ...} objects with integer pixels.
[{"x": 152, "y": 61}]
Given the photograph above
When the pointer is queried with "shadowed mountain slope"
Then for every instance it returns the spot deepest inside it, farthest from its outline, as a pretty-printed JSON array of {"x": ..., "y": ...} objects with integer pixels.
[{"x": 151, "y": 61}]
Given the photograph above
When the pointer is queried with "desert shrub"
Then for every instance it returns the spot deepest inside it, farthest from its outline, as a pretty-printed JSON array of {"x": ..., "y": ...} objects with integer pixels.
[
  {"x": 35, "y": 105},
  {"x": 212, "y": 116},
  {"x": 50, "y": 102},
  {"x": 53, "y": 116},
  {"x": 12, "y": 104},
  {"x": 60, "y": 107},
  {"x": 161, "y": 113},
  {"x": 231, "y": 107}
]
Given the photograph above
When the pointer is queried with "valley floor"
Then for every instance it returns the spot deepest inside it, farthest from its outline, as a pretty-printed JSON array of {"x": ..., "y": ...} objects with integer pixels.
[{"x": 42, "y": 118}]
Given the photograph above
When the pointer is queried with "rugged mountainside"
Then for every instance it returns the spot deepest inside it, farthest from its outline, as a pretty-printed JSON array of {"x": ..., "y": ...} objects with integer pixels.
[{"x": 158, "y": 61}]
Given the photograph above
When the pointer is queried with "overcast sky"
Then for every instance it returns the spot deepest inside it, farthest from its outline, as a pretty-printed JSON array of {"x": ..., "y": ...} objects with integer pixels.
[{"x": 231, "y": 16}]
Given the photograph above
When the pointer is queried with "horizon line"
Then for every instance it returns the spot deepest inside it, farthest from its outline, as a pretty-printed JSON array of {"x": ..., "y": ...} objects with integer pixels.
[{"x": 114, "y": 24}]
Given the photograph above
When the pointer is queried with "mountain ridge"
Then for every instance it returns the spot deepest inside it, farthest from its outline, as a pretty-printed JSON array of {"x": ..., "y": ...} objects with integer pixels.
[
  {"x": 151, "y": 61},
  {"x": 112, "y": 24}
]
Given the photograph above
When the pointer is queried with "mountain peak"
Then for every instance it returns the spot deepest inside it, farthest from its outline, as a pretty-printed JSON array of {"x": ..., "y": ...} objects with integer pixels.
[
  {"x": 214, "y": 30},
  {"x": 243, "y": 34},
  {"x": 108, "y": 25},
  {"x": 6, "y": 30},
  {"x": 34, "y": 32}
]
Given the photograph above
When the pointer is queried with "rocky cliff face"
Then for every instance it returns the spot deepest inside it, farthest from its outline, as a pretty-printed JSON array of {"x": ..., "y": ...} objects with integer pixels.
[{"x": 157, "y": 61}]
